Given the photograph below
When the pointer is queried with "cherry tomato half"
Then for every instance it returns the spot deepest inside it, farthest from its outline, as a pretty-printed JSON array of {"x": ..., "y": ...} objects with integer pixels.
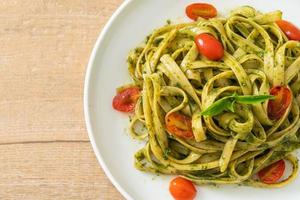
[
  {"x": 182, "y": 189},
  {"x": 278, "y": 106},
  {"x": 209, "y": 46},
  {"x": 272, "y": 173},
  {"x": 290, "y": 30},
  {"x": 179, "y": 125},
  {"x": 126, "y": 99},
  {"x": 204, "y": 10}
]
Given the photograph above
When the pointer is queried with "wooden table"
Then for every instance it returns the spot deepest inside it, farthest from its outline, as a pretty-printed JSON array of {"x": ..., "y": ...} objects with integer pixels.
[{"x": 45, "y": 152}]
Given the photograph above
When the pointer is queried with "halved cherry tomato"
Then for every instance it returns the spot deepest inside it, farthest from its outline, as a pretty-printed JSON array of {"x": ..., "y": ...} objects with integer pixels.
[
  {"x": 179, "y": 125},
  {"x": 278, "y": 106},
  {"x": 195, "y": 10},
  {"x": 209, "y": 46},
  {"x": 126, "y": 99},
  {"x": 290, "y": 30},
  {"x": 182, "y": 189},
  {"x": 272, "y": 173}
]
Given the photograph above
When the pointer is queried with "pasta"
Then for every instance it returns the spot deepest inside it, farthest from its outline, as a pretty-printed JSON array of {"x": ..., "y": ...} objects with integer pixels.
[{"x": 230, "y": 147}]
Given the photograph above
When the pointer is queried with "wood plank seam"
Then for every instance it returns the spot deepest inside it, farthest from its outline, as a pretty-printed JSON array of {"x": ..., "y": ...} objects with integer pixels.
[{"x": 46, "y": 142}]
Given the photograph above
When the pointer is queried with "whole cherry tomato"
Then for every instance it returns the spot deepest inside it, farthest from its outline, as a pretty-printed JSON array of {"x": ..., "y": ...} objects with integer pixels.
[
  {"x": 182, "y": 189},
  {"x": 204, "y": 10},
  {"x": 290, "y": 30},
  {"x": 209, "y": 46}
]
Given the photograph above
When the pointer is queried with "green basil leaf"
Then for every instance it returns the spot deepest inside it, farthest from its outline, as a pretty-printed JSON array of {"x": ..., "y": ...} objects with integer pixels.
[
  {"x": 219, "y": 106},
  {"x": 227, "y": 103},
  {"x": 252, "y": 99}
]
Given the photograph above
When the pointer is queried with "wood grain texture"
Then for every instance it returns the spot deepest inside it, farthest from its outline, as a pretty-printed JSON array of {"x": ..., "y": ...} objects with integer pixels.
[{"x": 44, "y": 147}]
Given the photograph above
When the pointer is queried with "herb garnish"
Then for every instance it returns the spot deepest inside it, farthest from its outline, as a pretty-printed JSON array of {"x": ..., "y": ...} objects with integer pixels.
[{"x": 227, "y": 103}]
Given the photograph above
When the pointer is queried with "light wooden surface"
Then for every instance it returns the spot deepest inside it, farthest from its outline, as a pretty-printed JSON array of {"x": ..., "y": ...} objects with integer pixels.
[{"x": 44, "y": 148}]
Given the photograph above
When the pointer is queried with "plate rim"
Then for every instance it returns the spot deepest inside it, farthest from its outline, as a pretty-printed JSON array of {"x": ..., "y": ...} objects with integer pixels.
[
  {"x": 87, "y": 93},
  {"x": 86, "y": 97}
]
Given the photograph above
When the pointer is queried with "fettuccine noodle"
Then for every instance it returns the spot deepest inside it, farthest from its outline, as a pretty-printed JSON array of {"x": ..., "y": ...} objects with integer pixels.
[{"x": 229, "y": 148}]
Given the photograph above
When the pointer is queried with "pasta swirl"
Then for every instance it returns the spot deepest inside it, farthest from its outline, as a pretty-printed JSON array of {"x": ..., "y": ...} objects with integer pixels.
[{"x": 231, "y": 147}]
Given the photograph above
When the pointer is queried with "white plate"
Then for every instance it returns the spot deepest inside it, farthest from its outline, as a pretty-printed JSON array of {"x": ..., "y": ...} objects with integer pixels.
[{"x": 107, "y": 70}]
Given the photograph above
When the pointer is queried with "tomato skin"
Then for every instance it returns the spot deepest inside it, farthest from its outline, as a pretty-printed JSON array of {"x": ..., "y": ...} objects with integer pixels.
[
  {"x": 204, "y": 10},
  {"x": 126, "y": 99},
  {"x": 209, "y": 46},
  {"x": 272, "y": 173},
  {"x": 182, "y": 189},
  {"x": 179, "y": 125},
  {"x": 278, "y": 106},
  {"x": 290, "y": 30}
]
